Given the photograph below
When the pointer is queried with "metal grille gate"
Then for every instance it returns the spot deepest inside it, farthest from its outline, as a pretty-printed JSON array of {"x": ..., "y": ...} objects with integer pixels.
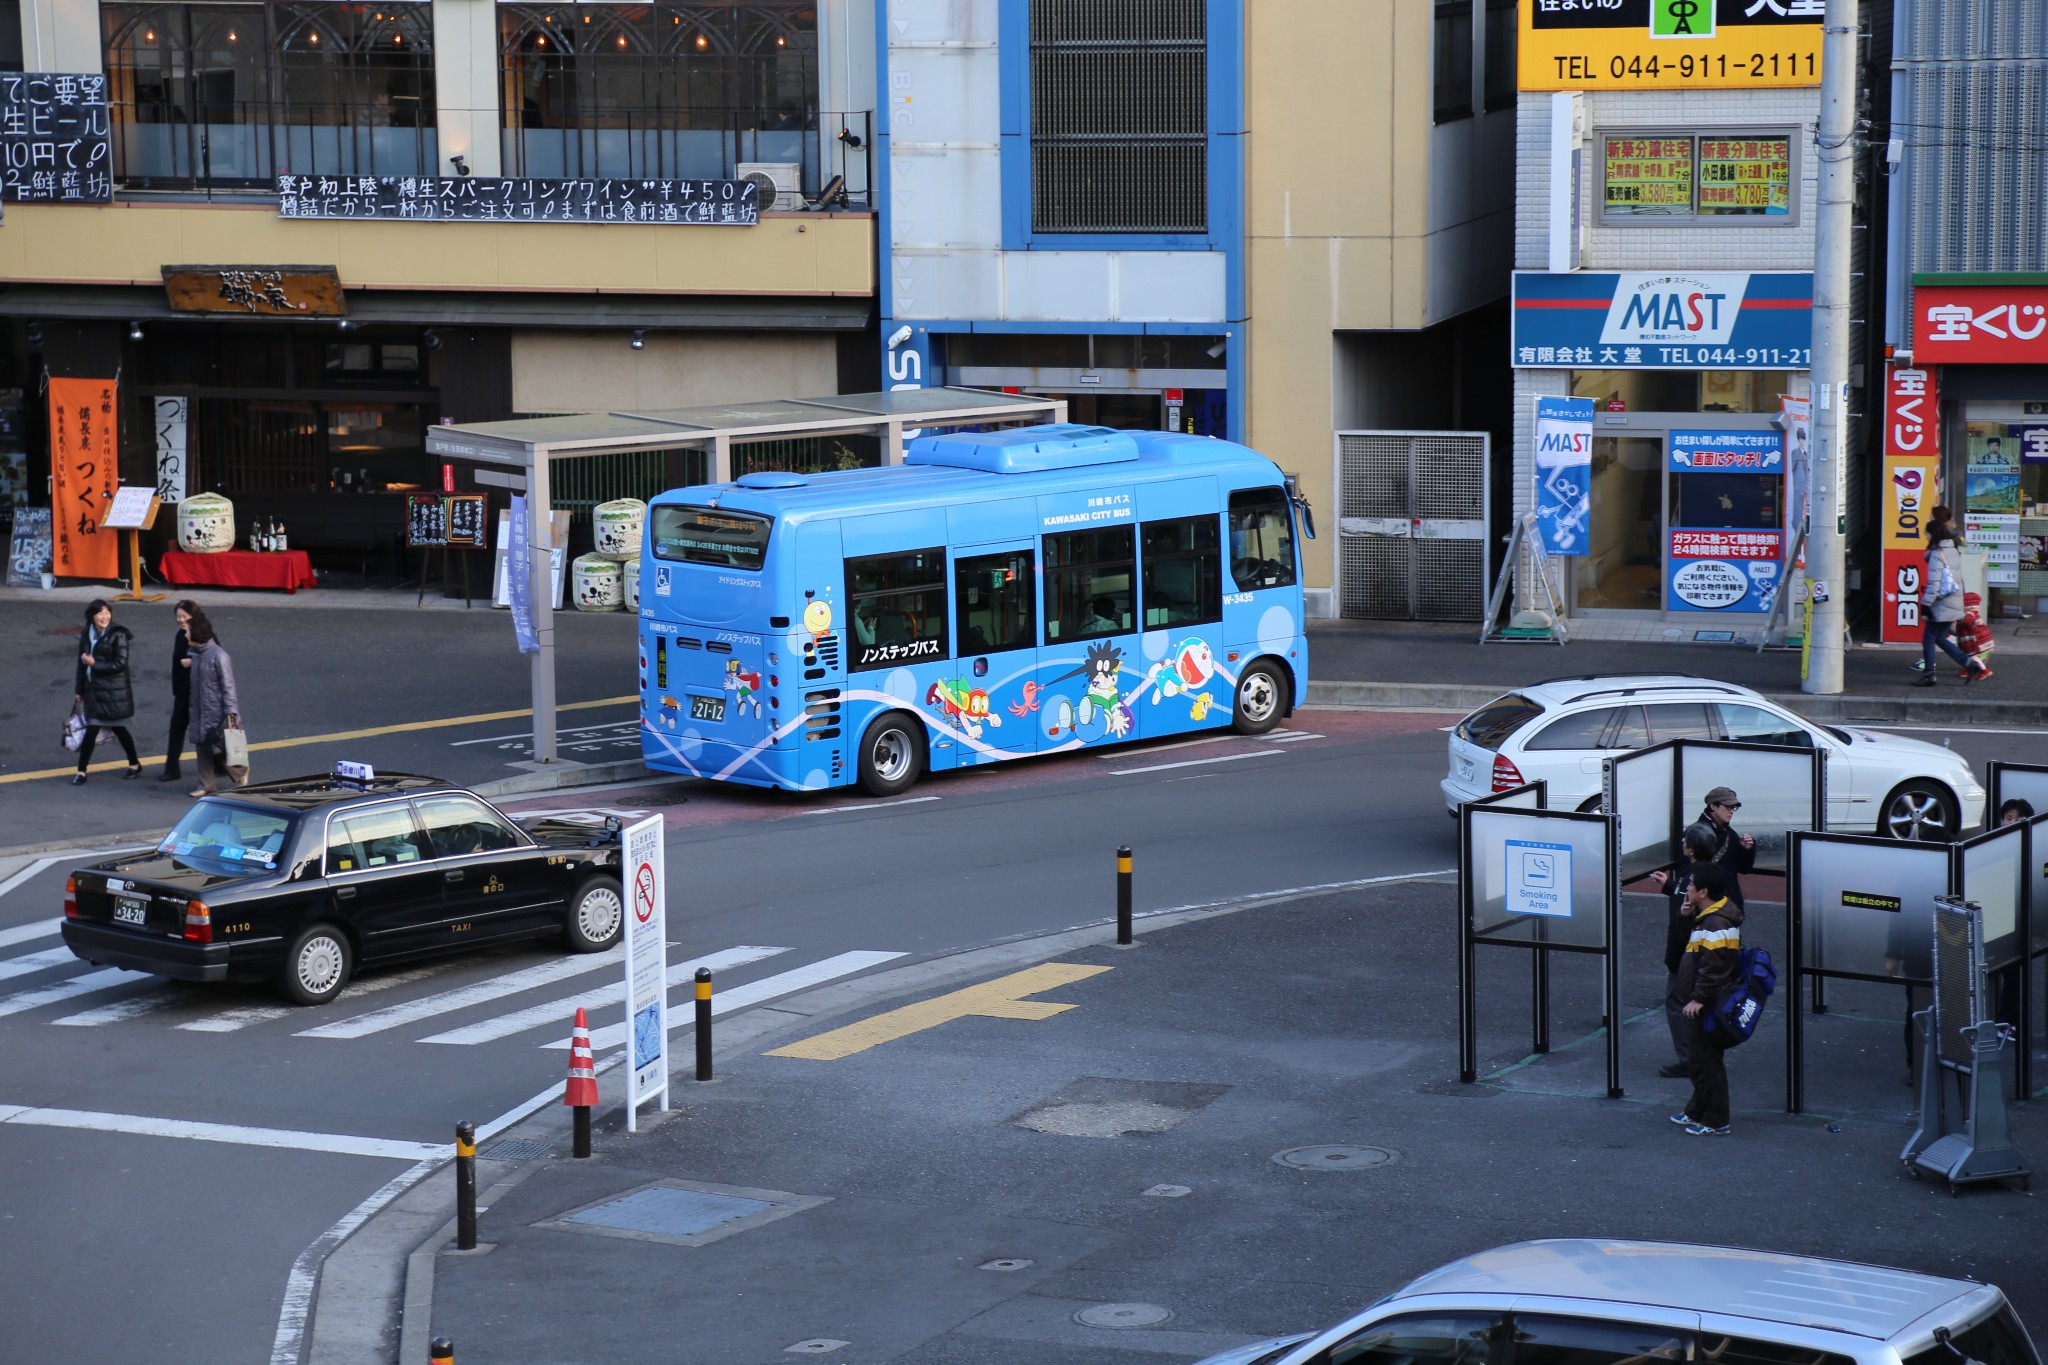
[{"x": 1411, "y": 524}]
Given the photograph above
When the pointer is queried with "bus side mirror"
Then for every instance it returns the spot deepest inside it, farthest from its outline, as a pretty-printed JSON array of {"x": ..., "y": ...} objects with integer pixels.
[{"x": 1300, "y": 501}]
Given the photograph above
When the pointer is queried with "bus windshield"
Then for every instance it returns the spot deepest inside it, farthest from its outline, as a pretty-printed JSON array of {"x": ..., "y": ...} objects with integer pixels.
[{"x": 705, "y": 535}]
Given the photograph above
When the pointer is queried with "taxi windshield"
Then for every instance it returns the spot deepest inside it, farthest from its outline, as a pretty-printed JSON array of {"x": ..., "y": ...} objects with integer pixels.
[{"x": 230, "y": 838}]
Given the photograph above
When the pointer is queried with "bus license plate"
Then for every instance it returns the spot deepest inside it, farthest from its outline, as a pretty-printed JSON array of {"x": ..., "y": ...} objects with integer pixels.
[
  {"x": 707, "y": 708},
  {"x": 130, "y": 911}
]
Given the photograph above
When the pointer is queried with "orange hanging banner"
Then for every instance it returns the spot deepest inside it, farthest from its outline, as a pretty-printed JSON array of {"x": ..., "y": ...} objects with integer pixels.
[{"x": 84, "y": 455}]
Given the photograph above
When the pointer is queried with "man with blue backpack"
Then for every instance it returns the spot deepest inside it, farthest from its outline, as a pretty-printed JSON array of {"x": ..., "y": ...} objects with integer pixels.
[{"x": 1713, "y": 952}]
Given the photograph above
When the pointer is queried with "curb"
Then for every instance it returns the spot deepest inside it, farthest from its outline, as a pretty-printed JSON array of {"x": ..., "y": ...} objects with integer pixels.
[
  {"x": 554, "y": 777},
  {"x": 1875, "y": 710},
  {"x": 360, "y": 1306}
]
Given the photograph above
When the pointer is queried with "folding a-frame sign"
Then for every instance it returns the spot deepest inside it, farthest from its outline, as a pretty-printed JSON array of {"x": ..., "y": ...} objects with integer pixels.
[{"x": 530, "y": 446}]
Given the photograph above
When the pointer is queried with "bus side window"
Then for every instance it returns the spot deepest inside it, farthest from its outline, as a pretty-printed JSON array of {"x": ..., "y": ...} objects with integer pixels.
[
  {"x": 898, "y": 606},
  {"x": 1183, "y": 573},
  {"x": 1261, "y": 539},
  {"x": 993, "y": 596},
  {"x": 1089, "y": 587}
]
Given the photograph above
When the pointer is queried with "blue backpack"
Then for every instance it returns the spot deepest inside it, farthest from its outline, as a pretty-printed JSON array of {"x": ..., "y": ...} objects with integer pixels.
[{"x": 1734, "y": 1017}]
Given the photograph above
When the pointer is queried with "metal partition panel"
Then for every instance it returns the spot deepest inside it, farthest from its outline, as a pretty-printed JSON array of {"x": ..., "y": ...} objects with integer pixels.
[
  {"x": 1866, "y": 905},
  {"x": 1529, "y": 796},
  {"x": 2005, "y": 781},
  {"x": 1640, "y": 795},
  {"x": 1780, "y": 790},
  {"x": 1991, "y": 871},
  {"x": 2036, "y": 903},
  {"x": 1539, "y": 879}
]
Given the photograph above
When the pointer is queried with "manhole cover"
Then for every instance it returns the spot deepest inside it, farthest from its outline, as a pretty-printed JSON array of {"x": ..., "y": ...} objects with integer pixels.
[
  {"x": 517, "y": 1149},
  {"x": 1122, "y": 1315},
  {"x": 1004, "y": 1263},
  {"x": 1334, "y": 1158}
]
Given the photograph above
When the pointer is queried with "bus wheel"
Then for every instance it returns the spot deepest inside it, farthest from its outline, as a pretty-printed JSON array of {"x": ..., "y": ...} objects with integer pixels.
[
  {"x": 891, "y": 755},
  {"x": 1258, "y": 700}
]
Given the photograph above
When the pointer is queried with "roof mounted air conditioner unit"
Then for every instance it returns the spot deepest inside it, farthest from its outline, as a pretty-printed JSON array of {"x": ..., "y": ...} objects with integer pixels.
[{"x": 776, "y": 183}]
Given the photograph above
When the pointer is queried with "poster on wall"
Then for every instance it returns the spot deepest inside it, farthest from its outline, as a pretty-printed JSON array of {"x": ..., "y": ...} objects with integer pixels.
[
  {"x": 1997, "y": 534},
  {"x": 1991, "y": 480},
  {"x": 83, "y": 477},
  {"x": 1731, "y": 567},
  {"x": 1564, "y": 473},
  {"x": 1912, "y": 459},
  {"x": 1797, "y": 420}
]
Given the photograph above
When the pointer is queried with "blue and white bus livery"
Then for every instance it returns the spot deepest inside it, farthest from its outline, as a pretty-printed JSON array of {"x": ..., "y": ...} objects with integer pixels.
[{"x": 998, "y": 595}]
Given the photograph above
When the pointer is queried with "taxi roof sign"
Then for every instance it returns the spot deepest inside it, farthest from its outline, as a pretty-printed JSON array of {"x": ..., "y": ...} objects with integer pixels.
[{"x": 354, "y": 772}]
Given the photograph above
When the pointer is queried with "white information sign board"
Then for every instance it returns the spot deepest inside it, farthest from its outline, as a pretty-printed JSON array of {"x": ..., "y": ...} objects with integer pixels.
[
  {"x": 1539, "y": 880},
  {"x": 646, "y": 968},
  {"x": 130, "y": 508}
]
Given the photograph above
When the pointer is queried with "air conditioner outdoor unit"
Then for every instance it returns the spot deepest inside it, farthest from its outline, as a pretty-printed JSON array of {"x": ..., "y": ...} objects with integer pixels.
[{"x": 775, "y": 183}]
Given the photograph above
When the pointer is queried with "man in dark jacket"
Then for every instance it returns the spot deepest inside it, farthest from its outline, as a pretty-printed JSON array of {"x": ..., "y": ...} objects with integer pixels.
[
  {"x": 1697, "y": 848},
  {"x": 1735, "y": 853},
  {"x": 1712, "y": 952}
]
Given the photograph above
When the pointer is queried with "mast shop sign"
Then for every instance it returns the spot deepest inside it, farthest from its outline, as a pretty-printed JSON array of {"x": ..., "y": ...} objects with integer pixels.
[
  {"x": 1665, "y": 319},
  {"x": 1980, "y": 324},
  {"x": 1669, "y": 44}
]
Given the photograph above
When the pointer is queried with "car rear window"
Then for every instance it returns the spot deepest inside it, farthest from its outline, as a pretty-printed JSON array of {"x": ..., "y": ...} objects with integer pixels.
[
  {"x": 1490, "y": 726},
  {"x": 1582, "y": 731},
  {"x": 229, "y": 838},
  {"x": 1997, "y": 1340}
]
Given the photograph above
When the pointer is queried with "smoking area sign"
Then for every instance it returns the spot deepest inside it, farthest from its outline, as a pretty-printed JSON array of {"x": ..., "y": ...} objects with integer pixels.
[
  {"x": 1539, "y": 878},
  {"x": 646, "y": 967},
  {"x": 1669, "y": 44}
]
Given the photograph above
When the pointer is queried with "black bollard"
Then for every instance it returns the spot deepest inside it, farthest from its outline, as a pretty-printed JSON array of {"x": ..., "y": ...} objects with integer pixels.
[
  {"x": 703, "y": 1023},
  {"x": 465, "y": 1186},
  {"x": 1123, "y": 895},
  {"x": 581, "y": 1142},
  {"x": 440, "y": 1351}
]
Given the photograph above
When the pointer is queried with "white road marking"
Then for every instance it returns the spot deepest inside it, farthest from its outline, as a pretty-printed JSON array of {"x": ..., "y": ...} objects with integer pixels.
[
  {"x": 869, "y": 805},
  {"x": 1290, "y": 736},
  {"x": 67, "y": 990},
  {"x": 574, "y": 730},
  {"x": 27, "y": 872},
  {"x": 288, "y": 1346},
  {"x": 228, "y": 1020},
  {"x": 36, "y": 962},
  {"x": 1151, "y": 749},
  {"x": 1195, "y": 762},
  {"x": 426, "y": 1007},
  {"x": 753, "y": 993},
  {"x": 341, "y": 1144},
  {"x": 76, "y": 857},
  {"x": 22, "y": 933},
  {"x": 557, "y": 1011}
]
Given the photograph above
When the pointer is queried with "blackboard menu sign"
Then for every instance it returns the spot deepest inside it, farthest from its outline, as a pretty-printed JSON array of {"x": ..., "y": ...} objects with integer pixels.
[
  {"x": 28, "y": 548},
  {"x": 426, "y": 519},
  {"x": 489, "y": 199},
  {"x": 451, "y": 519},
  {"x": 55, "y": 144}
]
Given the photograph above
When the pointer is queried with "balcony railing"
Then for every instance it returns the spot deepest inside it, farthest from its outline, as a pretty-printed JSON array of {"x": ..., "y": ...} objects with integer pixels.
[
  {"x": 243, "y": 147},
  {"x": 644, "y": 144}
]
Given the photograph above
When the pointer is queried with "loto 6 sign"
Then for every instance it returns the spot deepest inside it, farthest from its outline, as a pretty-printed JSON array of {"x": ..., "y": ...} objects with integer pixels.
[{"x": 1912, "y": 455}]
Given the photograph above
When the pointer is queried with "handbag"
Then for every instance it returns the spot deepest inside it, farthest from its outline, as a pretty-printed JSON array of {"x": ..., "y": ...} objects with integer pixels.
[
  {"x": 234, "y": 747},
  {"x": 74, "y": 729}
]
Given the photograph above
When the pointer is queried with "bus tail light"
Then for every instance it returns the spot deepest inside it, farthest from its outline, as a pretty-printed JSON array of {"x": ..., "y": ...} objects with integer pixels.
[
  {"x": 198, "y": 922},
  {"x": 71, "y": 898},
  {"x": 1506, "y": 776}
]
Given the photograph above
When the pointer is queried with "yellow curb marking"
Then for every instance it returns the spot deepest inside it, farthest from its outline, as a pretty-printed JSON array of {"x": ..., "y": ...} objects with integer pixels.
[
  {"x": 997, "y": 999},
  {"x": 339, "y": 735}
]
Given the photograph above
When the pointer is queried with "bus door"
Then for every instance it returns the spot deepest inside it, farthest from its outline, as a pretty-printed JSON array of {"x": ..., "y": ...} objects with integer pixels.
[
  {"x": 1090, "y": 667},
  {"x": 1261, "y": 572},
  {"x": 988, "y": 700}
]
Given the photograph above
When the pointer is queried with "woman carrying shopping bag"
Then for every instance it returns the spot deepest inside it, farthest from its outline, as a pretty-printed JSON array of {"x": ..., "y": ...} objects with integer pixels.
[
  {"x": 216, "y": 711},
  {"x": 101, "y": 687}
]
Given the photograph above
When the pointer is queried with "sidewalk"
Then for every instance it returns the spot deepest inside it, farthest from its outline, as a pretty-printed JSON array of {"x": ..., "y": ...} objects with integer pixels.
[{"x": 1126, "y": 1180}]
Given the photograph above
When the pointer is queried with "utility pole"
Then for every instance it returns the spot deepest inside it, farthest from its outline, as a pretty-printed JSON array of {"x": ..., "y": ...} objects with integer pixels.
[{"x": 1827, "y": 551}]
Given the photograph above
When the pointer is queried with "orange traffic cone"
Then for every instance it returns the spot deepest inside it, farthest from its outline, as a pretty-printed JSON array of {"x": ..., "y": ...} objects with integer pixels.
[{"x": 581, "y": 1092}]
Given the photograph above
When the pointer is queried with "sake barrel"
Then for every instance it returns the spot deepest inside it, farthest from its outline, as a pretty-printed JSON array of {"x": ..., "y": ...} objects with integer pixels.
[
  {"x": 633, "y": 584},
  {"x": 615, "y": 528},
  {"x": 206, "y": 524},
  {"x": 597, "y": 583}
]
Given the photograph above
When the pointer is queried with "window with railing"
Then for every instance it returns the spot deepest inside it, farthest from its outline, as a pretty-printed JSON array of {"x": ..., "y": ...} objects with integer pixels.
[
  {"x": 659, "y": 91},
  {"x": 213, "y": 96}
]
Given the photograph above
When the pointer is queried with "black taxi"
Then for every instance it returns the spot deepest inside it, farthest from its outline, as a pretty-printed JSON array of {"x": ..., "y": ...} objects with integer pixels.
[{"x": 301, "y": 881}]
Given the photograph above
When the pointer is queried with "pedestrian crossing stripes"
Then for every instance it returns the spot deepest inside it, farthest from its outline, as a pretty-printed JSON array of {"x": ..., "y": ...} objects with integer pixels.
[{"x": 114, "y": 997}]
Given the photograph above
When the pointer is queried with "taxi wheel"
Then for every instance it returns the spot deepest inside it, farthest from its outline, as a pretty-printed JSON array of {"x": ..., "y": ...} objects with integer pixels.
[
  {"x": 317, "y": 967},
  {"x": 1258, "y": 705},
  {"x": 597, "y": 916},
  {"x": 891, "y": 754}
]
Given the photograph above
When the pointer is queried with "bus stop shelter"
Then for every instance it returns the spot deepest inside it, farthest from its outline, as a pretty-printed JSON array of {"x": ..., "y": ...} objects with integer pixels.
[{"x": 519, "y": 454}]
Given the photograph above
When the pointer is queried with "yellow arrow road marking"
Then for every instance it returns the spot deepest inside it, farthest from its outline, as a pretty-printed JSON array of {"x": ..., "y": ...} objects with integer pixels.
[
  {"x": 340, "y": 735},
  {"x": 1001, "y": 998}
]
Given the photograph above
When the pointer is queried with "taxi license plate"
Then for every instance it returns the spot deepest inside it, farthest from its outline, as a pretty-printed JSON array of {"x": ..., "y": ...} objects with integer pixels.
[
  {"x": 707, "y": 708},
  {"x": 128, "y": 910}
]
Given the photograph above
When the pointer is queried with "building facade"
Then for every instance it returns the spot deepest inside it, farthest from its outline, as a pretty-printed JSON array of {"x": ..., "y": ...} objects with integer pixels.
[{"x": 585, "y": 268}]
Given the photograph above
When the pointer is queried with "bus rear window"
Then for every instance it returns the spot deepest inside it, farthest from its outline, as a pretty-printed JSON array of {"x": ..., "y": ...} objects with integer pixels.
[{"x": 705, "y": 535}]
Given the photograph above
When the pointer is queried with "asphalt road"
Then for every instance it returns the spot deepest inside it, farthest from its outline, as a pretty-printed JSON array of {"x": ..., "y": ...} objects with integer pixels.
[{"x": 125, "y": 1244}]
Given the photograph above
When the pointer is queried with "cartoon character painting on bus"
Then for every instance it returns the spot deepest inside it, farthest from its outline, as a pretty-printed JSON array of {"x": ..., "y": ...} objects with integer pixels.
[
  {"x": 1184, "y": 673},
  {"x": 964, "y": 706},
  {"x": 744, "y": 686},
  {"x": 1101, "y": 710}
]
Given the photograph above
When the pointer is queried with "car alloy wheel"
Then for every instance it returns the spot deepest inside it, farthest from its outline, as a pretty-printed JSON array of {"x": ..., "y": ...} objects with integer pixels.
[
  {"x": 1917, "y": 813},
  {"x": 317, "y": 966}
]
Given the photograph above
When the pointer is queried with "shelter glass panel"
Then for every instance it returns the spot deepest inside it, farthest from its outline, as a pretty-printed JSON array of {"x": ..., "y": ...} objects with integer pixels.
[
  {"x": 1538, "y": 878},
  {"x": 1993, "y": 870},
  {"x": 1639, "y": 787},
  {"x": 1774, "y": 786},
  {"x": 2018, "y": 781},
  {"x": 1868, "y": 905}
]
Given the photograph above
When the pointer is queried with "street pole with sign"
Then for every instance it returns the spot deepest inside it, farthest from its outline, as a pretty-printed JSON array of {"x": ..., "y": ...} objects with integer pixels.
[
  {"x": 646, "y": 968},
  {"x": 1835, "y": 144}
]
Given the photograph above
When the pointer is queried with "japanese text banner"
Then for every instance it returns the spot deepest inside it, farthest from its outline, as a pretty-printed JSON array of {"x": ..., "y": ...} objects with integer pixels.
[
  {"x": 83, "y": 459},
  {"x": 1980, "y": 324}
]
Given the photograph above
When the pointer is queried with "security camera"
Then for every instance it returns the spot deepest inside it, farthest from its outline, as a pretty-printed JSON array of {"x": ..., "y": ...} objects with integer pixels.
[
  {"x": 899, "y": 336},
  {"x": 459, "y": 163}
]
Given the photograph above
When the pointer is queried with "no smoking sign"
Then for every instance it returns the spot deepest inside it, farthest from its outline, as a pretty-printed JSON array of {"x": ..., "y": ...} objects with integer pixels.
[{"x": 643, "y": 893}]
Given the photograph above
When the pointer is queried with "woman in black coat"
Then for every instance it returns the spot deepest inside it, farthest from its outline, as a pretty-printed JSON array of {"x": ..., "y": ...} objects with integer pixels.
[
  {"x": 181, "y": 687},
  {"x": 102, "y": 686}
]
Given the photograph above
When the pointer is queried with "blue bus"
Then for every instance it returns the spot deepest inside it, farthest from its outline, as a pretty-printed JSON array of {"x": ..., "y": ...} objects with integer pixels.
[{"x": 1000, "y": 594}]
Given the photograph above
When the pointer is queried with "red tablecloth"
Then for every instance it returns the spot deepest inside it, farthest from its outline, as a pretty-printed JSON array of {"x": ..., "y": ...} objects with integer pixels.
[{"x": 286, "y": 569}]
